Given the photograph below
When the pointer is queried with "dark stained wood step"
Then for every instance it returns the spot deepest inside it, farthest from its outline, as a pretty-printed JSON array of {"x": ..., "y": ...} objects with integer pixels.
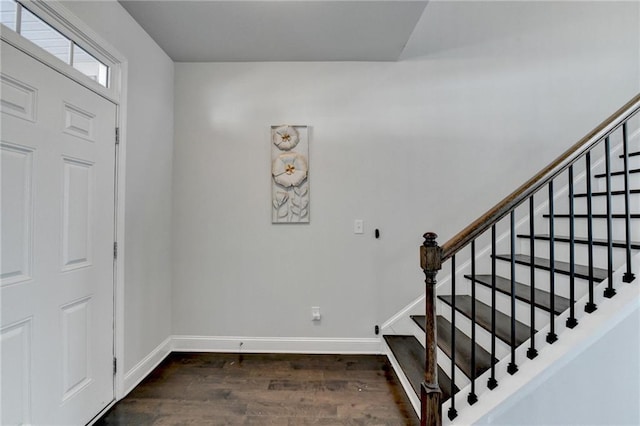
[
  {"x": 604, "y": 193},
  {"x": 463, "y": 346},
  {"x": 483, "y": 319},
  {"x": 595, "y": 216},
  {"x": 523, "y": 293},
  {"x": 580, "y": 240},
  {"x": 463, "y": 349},
  {"x": 564, "y": 268},
  {"x": 410, "y": 354},
  {"x": 618, "y": 173}
]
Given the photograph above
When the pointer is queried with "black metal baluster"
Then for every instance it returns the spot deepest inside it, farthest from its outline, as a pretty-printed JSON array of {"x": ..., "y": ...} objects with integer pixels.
[
  {"x": 551, "y": 336},
  {"x": 512, "y": 368},
  {"x": 628, "y": 275},
  {"x": 609, "y": 292},
  {"x": 590, "y": 306},
  {"x": 452, "y": 410},
  {"x": 493, "y": 383},
  {"x": 572, "y": 321},
  {"x": 532, "y": 352},
  {"x": 472, "y": 398}
]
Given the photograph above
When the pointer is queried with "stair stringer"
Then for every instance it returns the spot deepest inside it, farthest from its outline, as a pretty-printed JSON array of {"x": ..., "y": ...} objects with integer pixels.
[{"x": 551, "y": 356}]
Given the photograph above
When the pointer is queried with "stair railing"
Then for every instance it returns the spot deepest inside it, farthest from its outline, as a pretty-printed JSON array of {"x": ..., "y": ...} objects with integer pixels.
[{"x": 432, "y": 257}]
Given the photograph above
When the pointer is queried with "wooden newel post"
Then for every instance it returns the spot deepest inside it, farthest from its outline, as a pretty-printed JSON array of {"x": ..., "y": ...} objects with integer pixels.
[{"x": 430, "y": 262}]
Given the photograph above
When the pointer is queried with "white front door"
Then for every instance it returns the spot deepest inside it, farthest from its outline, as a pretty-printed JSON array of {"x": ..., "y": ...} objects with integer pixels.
[{"x": 56, "y": 283}]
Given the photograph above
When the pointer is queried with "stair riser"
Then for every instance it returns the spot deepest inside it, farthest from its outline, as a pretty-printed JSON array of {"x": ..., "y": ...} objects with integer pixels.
[
  {"x": 561, "y": 207},
  {"x": 562, "y": 281},
  {"x": 542, "y": 279},
  {"x": 617, "y": 182},
  {"x": 599, "y": 205},
  {"x": 483, "y": 337},
  {"x": 599, "y": 228},
  {"x": 562, "y": 253},
  {"x": 634, "y": 163},
  {"x": 503, "y": 304},
  {"x": 617, "y": 162},
  {"x": 444, "y": 362}
]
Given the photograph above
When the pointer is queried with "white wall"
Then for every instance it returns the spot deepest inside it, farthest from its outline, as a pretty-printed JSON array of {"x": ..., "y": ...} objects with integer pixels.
[
  {"x": 487, "y": 94},
  {"x": 149, "y": 149}
]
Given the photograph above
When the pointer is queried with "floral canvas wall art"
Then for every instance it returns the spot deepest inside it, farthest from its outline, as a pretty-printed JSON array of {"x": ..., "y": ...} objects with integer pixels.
[{"x": 289, "y": 174}]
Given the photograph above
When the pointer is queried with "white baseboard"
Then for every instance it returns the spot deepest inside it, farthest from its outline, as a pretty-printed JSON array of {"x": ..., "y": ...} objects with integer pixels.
[
  {"x": 146, "y": 366},
  {"x": 308, "y": 345}
]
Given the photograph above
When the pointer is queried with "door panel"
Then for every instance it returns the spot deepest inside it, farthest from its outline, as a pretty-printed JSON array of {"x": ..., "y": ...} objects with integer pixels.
[{"x": 56, "y": 283}]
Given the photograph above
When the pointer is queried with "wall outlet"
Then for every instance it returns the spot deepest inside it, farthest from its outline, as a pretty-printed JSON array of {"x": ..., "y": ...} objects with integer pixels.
[{"x": 315, "y": 313}]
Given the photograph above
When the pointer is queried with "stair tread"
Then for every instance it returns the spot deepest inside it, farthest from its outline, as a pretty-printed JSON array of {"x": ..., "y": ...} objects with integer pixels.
[
  {"x": 463, "y": 349},
  {"x": 618, "y": 173},
  {"x": 410, "y": 354},
  {"x": 595, "y": 216},
  {"x": 580, "y": 271},
  {"x": 483, "y": 319},
  {"x": 463, "y": 346},
  {"x": 581, "y": 240},
  {"x": 523, "y": 293},
  {"x": 604, "y": 193}
]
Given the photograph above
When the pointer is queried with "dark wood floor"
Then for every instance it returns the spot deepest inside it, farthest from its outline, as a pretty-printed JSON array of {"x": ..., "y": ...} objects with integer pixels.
[{"x": 266, "y": 389}]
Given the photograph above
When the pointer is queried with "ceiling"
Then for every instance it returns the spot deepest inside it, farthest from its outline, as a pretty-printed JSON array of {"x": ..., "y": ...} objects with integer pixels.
[{"x": 267, "y": 30}]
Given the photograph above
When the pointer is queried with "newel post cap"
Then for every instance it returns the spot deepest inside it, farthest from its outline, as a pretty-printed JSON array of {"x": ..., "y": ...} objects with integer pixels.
[
  {"x": 430, "y": 253},
  {"x": 430, "y": 239}
]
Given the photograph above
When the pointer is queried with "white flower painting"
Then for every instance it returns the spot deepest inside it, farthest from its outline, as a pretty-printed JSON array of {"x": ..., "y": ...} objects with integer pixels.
[{"x": 290, "y": 174}]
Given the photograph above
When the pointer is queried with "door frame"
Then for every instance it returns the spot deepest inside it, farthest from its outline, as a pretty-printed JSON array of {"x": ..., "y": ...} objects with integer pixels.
[{"x": 60, "y": 18}]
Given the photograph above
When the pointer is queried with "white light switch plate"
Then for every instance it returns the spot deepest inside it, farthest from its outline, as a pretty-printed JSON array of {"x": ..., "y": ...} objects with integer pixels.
[{"x": 358, "y": 226}]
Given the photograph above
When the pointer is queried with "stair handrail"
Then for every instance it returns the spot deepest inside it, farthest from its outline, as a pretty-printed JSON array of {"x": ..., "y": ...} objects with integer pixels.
[{"x": 560, "y": 164}]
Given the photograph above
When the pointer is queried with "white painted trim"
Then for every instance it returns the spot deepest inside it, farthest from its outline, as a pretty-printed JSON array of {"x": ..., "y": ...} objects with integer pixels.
[
  {"x": 407, "y": 310},
  {"x": 119, "y": 286},
  {"x": 143, "y": 368},
  {"x": 308, "y": 345}
]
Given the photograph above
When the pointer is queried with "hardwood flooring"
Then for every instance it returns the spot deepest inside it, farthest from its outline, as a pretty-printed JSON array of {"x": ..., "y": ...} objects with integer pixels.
[{"x": 266, "y": 389}]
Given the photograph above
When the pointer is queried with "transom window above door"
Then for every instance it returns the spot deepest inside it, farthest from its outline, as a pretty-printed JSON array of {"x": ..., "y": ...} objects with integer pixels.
[{"x": 15, "y": 16}]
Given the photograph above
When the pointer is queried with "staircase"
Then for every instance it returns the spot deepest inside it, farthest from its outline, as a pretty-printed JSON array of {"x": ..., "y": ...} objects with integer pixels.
[{"x": 524, "y": 274}]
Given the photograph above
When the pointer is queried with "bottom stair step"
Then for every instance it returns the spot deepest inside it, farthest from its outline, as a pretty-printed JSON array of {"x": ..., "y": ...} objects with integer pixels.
[{"x": 410, "y": 354}]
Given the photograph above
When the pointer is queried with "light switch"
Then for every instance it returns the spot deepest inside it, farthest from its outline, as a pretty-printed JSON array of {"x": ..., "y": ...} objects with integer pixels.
[{"x": 358, "y": 226}]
